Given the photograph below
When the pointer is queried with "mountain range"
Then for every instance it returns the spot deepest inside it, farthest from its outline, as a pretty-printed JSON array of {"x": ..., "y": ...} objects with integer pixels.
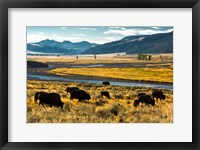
[
  {"x": 52, "y": 46},
  {"x": 156, "y": 43}
]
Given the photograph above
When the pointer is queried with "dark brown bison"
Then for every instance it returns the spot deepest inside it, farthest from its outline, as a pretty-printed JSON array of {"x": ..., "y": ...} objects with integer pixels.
[
  {"x": 80, "y": 95},
  {"x": 106, "y": 83},
  {"x": 158, "y": 95},
  {"x": 71, "y": 89},
  {"x": 51, "y": 99},
  {"x": 140, "y": 94},
  {"x": 105, "y": 93},
  {"x": 146, "y": 99}
]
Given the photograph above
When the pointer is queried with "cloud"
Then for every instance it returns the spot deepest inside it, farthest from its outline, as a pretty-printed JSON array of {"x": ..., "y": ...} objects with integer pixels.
[
  {"x": 78, "y": 35},
  {"x": 155, "y": 27},
  {"x": 87, "y": 29},
  {"x": 111, "y": 38},
  {"x": 128, "y": 32},
  {"x": 41, "y": 33},
  {"x": 122, "y": 28},
  {"x": 32, "y": 38},
  {"x": 64, "y": 28}
]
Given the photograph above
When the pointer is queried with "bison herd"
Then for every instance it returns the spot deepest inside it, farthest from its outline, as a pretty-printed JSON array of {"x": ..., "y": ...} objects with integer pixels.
[
  {"x": 149, "y": 99},
  {"x": 54, "y": 99}
]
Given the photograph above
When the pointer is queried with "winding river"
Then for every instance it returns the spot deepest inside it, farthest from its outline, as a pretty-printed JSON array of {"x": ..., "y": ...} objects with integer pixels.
[{"x": 121, "y": 83}]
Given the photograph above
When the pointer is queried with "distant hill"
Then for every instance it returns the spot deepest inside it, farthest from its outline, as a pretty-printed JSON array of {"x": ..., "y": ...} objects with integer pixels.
[
  {"x": 156, "y": 43},
  {"x": 65, "y": 47}
]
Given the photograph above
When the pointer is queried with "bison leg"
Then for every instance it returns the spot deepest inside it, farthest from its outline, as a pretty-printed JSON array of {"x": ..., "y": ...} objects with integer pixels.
[
  {"x": 80, "y": 100},
  {"x": 42, "y": 104}
]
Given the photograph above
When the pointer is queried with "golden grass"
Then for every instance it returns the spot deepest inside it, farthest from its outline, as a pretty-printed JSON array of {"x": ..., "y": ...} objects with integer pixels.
[
  {"x": 141, "y": 74},
  {"x": 100, "y": 59},
  {"x": 118, "y": 109}
]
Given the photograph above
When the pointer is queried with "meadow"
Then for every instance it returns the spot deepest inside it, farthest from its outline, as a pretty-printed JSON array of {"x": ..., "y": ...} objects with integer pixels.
[
  {"x": 136, "y": 74},
  {"x": 118, "y": 109}
]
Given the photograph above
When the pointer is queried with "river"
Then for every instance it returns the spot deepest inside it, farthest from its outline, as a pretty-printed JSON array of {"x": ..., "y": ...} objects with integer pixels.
[{"x": 120, "y": 83}]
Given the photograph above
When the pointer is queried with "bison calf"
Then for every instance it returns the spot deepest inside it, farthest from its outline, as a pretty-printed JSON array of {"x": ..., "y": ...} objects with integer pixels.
[
  {"x": 106, "y": 83},
  {"x": 158, "y": 95},
  {"x": 105, "y": 93}
]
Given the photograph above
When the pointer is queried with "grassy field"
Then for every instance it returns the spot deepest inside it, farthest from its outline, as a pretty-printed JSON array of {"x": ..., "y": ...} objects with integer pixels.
[
  {"x": 167, "y": 58},
  {"x": 118, "y": 109},
  {"x": 139, "y": 74}
]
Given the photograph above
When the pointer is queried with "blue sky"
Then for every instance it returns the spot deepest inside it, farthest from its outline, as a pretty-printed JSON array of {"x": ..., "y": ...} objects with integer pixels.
[{"x": 96, "y": 34}]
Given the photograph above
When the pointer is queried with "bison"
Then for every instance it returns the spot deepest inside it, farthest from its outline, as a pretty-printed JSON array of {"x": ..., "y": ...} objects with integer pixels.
[
  {"x": 51, "y": 99},
  {"x": 158, "y": 95},
  {"x": 105, "y": 93},
  {"x": 146, "y": 99},
  {"x": 71, "y": 89},
  {"x": 106, "y": 83},
  {"x": 80, "y": 95}
]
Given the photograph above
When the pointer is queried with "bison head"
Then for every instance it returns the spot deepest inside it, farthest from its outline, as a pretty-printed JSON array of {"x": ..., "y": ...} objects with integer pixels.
[
  {"x": 136, "y": 103},
  {"x": 152, "y": 102},
  {"x": 163, "y": 97},
  {"x": 36, "y": 96},
  {"x": 87, "y": 96}
]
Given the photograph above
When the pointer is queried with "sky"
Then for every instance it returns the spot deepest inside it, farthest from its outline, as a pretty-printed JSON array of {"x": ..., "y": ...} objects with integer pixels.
[{"x": 92, "y": 34}]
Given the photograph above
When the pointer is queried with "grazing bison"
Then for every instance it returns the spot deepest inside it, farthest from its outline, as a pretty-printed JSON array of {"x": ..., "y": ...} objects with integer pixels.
[
  {"x": 106, "y": 83},
  {"x": 80, "y": 95},
  {"x": 140, "y": 94},
  {"x": 158, "y": 95},
  {"x": 105, "y": 93},
  {"x": 71, "y": 89},
  {"x": 51, "y": 99},
  {"x": 144, "y": 99},
  {"x": 147, "y": 99}
]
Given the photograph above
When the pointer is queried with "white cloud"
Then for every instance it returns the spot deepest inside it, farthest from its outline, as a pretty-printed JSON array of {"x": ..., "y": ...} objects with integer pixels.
[
  {"x": 63, "y": 28},
  {"x": 111, "y": 38},
  {"x": 78, "y": 35},
  {"x": 41, "y": 33},
  {"x": 122, "y": 28},
  {"x": 127, "y": 32},
  {"x": 155, "y": 27},
  {"x": 87, "y": 29},
  {"x": 73, "y": 39},
  {"x": 32, "y": 38}
]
